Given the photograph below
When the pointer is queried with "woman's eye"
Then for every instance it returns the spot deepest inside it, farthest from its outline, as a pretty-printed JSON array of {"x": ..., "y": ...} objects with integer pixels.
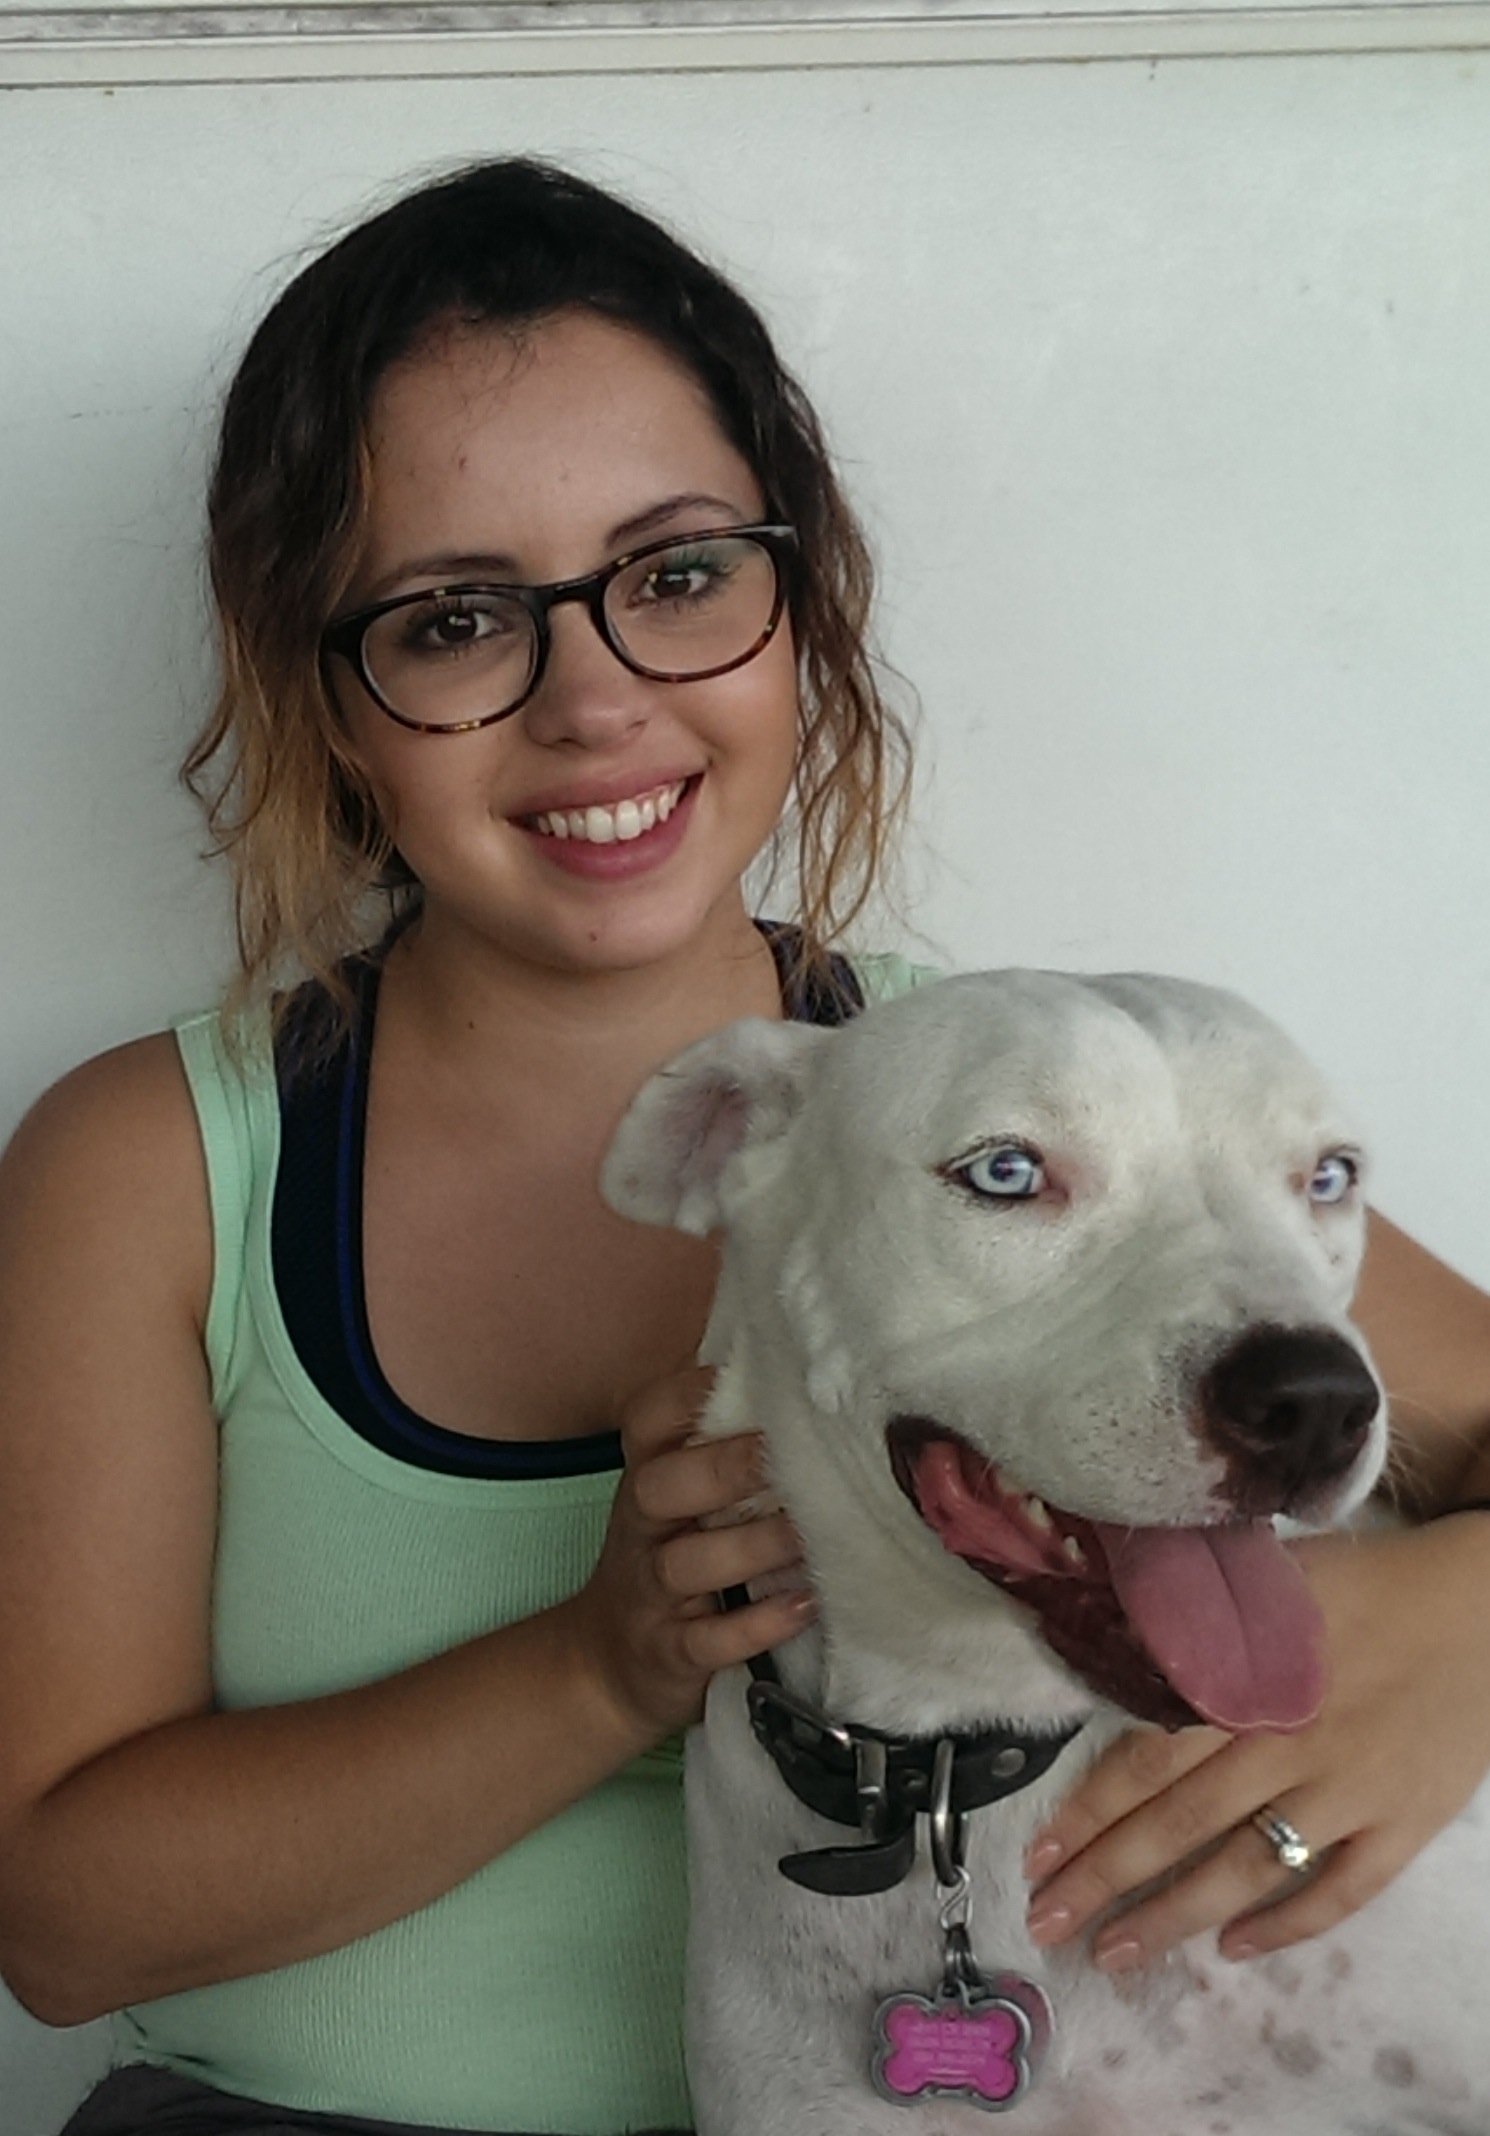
[
  {"x": 676, "y": 585},
  {"x": 1008, "y": 1172},
  {"x": 451, "y": 626},
  {"x": 688, "y": 577},
  {"x": 1334, "y": 1176}
]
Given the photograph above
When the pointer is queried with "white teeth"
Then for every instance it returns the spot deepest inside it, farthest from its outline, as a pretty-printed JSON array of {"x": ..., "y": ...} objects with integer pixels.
[
  {"x": 1074, "y": 1550},
  {"x": 1036, "y": 1513},
  {"x": 611, "y": 826}
]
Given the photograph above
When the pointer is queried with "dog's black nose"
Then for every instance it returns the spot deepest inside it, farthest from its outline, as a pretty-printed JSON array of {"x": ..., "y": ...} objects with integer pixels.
[{"x": 1290, "y": 1408}]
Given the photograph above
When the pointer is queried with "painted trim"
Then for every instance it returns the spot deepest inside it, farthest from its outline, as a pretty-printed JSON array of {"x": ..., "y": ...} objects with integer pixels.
[{"x": 243, "y": 41}]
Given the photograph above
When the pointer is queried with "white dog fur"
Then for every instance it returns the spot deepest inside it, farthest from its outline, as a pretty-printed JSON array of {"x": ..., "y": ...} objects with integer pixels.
[{"x": 1065, "y": 1334}]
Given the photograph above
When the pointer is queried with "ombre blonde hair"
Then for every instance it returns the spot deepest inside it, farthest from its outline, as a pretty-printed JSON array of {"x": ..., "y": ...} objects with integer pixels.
[{"x": 503, "y": 244}]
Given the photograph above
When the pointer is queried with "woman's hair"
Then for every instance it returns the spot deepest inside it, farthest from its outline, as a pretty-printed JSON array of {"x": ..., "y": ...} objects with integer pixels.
[{"x": 505, "y": 244}]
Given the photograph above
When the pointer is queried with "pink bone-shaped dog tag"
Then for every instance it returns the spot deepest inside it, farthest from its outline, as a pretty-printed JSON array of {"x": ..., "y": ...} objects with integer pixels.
[{"x": 960, "y": 2046}]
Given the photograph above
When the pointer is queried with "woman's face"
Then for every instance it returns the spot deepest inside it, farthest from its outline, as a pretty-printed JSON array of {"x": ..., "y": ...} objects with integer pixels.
[{"x": 530, "y": 461}]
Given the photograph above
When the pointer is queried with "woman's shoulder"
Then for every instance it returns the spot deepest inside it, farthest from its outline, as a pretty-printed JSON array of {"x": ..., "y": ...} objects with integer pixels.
[
  {"x": 111, "y": 1152},
  {"x": 134, "y": 1088}
]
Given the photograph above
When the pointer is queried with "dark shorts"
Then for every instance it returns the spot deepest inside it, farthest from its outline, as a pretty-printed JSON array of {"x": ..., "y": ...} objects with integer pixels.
[{"x": 156, "y": 2102}]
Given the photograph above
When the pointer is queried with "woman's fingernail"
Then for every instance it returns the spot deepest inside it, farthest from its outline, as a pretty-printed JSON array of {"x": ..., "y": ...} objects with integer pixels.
[
  {"x": 1122, "y": 1955},
  {"x": 803, "y": 1603},
  {"x": 760, "y": 1505},
  {"x": 1233, "y": 1948},
  {"x": 1042, "y": 1857},
  {"x": 1047, "y": 1924}
]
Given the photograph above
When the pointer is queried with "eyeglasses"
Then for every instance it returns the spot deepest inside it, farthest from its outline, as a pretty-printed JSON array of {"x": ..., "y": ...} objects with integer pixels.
[{"x": 452, "y": 658}]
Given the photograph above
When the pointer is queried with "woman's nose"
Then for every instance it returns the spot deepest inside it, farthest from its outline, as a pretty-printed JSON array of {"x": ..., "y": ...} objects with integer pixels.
[{"x": 587, "y": 693}]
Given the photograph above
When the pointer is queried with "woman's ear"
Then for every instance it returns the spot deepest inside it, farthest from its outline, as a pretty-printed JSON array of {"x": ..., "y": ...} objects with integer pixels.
[{"x": 734, "y": 1090}]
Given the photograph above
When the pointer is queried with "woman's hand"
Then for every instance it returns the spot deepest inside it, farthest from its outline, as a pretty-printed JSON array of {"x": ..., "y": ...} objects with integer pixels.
[
  {"x": 691, "y": 1518},
  {"x": 1401, "y": 1744}
]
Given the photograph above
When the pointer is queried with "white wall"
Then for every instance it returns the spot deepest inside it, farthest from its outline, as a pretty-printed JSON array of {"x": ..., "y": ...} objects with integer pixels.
[{"x": 1165, "y": 390}]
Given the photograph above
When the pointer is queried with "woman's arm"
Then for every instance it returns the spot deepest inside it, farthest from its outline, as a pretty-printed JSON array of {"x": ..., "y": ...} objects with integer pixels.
[
  {"x": 1429, "y": 1332},
  {"x": 149, "y": 1844},
  {"x": 1403, "y": 1740}
]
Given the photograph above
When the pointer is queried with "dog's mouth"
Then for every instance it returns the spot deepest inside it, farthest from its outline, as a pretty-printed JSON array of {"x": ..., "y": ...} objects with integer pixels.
[{"x": 1178, "y": 1625}]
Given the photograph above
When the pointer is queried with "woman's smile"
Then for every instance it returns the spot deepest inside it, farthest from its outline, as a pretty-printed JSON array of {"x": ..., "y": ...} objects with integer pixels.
[{"x": 606, "y": 841}]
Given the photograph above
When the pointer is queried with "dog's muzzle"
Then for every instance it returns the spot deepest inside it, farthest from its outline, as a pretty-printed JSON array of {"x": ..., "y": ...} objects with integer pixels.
[{"x": 1213, "y": 1622}]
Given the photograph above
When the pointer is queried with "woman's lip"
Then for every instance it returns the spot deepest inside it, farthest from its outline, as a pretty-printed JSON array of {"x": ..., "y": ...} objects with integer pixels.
[
  {"x": 616, "y": 859},
  {"x": 605, "y": 793}
]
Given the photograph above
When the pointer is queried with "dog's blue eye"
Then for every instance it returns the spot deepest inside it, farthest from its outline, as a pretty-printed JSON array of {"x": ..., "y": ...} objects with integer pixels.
[
  {"x": 1008, "y": 1172},
  {"x": 1334, "y": 1176}
]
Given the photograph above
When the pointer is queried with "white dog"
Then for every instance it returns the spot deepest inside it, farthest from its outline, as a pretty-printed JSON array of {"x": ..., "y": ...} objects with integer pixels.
[{"x": 1038, "y": 1287}]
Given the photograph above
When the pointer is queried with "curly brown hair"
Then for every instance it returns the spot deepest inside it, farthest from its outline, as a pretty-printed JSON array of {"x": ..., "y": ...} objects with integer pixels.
[{"x": 505, "y": 243}]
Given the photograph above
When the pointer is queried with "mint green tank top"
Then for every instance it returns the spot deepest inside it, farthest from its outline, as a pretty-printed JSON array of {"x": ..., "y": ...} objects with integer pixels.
[{"x": 545, "y": 1992}]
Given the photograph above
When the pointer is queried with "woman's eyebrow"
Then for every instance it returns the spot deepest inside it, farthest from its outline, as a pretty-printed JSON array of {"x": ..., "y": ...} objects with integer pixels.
[
  {"x": 445, "y": 569},
  {"x": 449, "y": 567},
  {"x": 657, "y": 515}
]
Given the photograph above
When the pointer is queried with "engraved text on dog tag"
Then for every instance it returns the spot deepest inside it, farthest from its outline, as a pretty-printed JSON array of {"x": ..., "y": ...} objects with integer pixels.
[{"x": 978, "y": 2043}]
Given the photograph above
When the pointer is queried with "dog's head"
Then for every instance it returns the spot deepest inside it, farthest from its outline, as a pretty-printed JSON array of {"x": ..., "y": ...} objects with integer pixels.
[{"x": 1038, "y": 1288}]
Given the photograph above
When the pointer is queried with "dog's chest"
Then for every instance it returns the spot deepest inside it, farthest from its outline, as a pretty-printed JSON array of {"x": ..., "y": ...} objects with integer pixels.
[{"x": 1367, "y": 2031}]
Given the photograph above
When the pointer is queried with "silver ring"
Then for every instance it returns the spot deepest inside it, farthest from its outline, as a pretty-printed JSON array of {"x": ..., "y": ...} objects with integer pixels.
[{"x": 1287, "y": 1841}]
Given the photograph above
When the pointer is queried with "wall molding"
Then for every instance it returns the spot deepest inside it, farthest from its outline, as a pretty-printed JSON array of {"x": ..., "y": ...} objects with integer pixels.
[{"x": 243, "y": 40}]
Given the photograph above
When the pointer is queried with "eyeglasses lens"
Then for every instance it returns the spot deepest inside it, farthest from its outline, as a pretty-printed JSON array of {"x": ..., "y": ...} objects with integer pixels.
[
  {"x": 452, "y": 658},
  {"x": 693, "y": 608}
]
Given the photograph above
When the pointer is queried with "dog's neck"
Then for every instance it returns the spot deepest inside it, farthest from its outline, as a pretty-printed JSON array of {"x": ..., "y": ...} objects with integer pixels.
[{"x": 927, "y": 1693}]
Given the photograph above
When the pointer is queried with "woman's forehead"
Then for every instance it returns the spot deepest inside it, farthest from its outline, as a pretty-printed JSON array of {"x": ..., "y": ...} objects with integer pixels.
[
  {"x": 538, "y": 382},
  {"x": 570, "y": 426}
]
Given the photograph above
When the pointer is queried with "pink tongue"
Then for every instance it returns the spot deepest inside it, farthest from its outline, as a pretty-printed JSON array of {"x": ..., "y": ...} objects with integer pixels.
[{"x": 1227, "y": 1617}]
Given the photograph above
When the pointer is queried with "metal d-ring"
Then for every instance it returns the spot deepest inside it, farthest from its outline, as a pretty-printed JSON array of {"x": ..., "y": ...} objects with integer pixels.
[
  {"x": 946, "y": 1827},
  {"x": 955, "y": 1887},
  {"x": 871, "y": 1786}
]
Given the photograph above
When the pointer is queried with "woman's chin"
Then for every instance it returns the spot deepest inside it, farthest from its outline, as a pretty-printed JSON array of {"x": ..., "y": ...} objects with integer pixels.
[{"x": 628, "y": 932}]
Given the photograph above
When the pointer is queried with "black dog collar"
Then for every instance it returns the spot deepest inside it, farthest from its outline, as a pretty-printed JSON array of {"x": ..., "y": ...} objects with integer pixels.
[{"x": 879, "y": 1783}]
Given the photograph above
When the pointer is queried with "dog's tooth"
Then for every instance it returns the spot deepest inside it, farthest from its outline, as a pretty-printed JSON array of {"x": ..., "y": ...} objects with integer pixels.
[
  {"x": 1037, "y": 1513},
  {"x": 1073, "y": 1550}
]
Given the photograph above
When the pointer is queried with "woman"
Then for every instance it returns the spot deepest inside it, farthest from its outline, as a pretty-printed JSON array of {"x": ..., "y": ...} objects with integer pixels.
[{"x": 339, "y": 1674}]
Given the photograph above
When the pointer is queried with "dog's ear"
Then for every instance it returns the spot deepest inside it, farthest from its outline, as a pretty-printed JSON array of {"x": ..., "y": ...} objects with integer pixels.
[{"x": 737, "y": 1088}]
